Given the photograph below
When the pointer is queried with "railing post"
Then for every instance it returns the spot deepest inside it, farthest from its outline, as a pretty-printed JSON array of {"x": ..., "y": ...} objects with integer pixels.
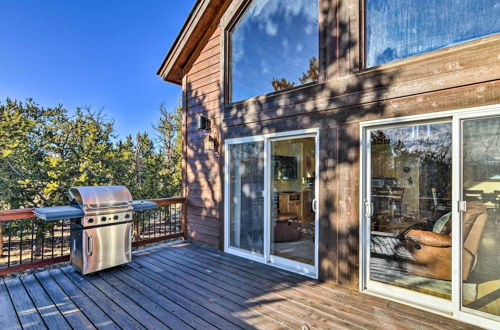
[
  {"x": 184, "y": 220},
  {"x": 1, "y": 238}
]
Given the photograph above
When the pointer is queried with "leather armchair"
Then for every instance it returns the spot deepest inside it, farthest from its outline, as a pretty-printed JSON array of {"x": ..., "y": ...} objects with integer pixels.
[
  {"x": 431, "y": 252},
  {"x": 287, "y": 228}
]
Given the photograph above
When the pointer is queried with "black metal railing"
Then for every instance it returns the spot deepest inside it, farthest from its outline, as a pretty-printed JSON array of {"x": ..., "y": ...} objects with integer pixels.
[
  {"x": 27, "y": 242},
  {"x": 151, "y": 226}
]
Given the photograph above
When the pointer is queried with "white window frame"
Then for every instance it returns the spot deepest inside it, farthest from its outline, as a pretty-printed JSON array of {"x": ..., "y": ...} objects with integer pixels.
[
  {"x": 436, "y": 305},
  {"x": 283, "y": 263}
]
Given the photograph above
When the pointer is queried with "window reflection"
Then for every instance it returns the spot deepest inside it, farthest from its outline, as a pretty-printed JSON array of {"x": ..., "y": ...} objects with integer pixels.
[
  {"x": 481, "y": 223},
  {"x": 399, "y": 29},
  {"x": 274, "y": 46},
  {"x": 246, "y": 183},
  {"x": 411, "y": 194}
]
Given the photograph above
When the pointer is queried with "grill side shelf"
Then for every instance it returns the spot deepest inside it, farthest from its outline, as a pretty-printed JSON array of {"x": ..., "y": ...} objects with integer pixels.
[
  {"x": 59, "y": 212},
  {"x": 143, "y": 205},
  {"x": 71, "y": 212}
]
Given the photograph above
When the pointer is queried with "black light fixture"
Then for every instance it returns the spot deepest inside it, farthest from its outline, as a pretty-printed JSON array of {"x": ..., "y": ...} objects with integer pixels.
[{"x": 203, "y": 123}]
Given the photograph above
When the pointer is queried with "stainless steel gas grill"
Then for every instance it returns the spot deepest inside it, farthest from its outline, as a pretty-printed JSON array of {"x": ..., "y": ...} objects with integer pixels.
[{"x": 101, "y": 225}]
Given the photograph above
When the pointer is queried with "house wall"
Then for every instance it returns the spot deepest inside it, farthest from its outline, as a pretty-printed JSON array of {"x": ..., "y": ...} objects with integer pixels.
[
  {"x": 202, "y": 181},
  {"x": 461, "y": 76}
]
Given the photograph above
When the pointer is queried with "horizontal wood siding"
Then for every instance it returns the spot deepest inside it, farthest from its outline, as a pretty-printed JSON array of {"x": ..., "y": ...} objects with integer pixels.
[
  {"x": 461, "y": 76},
  {"x": 202, "y": 184}
]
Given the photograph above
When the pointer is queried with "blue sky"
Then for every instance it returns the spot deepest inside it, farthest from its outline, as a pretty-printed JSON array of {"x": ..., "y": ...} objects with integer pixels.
[{"x": 91, "y": 53}]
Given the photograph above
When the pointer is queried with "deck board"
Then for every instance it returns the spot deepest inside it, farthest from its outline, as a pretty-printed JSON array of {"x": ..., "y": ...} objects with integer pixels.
[
  {"x": 8, "y": 319},
  {"x": 113, "y": 310},
  {"x": 264, "y": 293},
  {"x": 191, "y": 286},
  {"x": 45, "y": 306},
  {"x": 26, "y": 311},
  {"x": 93, "y": 312},
  {"x": 68, "y": 309},
  {"x": 307, "y": 307}
]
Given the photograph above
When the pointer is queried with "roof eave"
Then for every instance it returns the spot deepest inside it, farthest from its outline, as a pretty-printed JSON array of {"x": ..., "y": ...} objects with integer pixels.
[{"x": 171, "y": 69}]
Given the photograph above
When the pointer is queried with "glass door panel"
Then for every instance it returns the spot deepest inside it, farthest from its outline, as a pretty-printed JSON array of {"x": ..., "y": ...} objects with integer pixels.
[
  {"x": 410, "y": 191},
  {"x": 481, "y": 215},
  {"x": 293, "y": 225},
  {"x": 246, "y": 201}
]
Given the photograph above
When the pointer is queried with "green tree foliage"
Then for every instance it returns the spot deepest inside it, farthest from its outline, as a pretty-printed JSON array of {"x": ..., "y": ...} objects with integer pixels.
[{"x": 44, "y": 151}]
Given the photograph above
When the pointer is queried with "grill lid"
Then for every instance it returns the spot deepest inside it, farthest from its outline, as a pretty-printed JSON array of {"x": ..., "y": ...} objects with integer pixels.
[{"x": 102, "y": 199}]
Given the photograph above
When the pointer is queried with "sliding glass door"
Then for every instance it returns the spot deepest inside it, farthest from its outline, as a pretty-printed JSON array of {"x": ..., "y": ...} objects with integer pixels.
[
  {"x": 246, "y": 200},
  {"x": 410, "y": 186},
  {"x": 270, "y": 200},
  {"x": 480, "y": 208},
  {"x": 431, "y": 212},
  {"x": 293, "y": 210}
]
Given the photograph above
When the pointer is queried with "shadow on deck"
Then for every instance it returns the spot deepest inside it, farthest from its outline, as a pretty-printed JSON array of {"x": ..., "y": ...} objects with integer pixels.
[{"x": 187, "y": 285}]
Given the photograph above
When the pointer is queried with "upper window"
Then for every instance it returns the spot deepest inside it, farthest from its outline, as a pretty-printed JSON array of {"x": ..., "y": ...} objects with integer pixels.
[
  {"x": 397, "y": 29},
  {"x": 274, "y": 46}
]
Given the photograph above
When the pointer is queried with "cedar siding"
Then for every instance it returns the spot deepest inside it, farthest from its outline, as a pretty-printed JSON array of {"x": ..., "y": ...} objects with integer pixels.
[
  {"x": 457, "y": 77},
  {"x": 202, "y": 183}
]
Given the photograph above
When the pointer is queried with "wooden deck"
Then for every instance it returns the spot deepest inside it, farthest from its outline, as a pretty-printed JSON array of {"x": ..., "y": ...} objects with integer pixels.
[{"x": 188, "y": 285}]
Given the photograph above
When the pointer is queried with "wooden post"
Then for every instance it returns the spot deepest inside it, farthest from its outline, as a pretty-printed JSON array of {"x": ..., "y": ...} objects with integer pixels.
[
  {"x": 1, "y": 239},
  {"x": 184, "y": 158}
]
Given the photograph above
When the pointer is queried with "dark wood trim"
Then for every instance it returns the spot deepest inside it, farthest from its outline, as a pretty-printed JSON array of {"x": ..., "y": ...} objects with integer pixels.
[
  {"x": 32, "y": 265},
  {"x": 361, "y": 25},
  {"x": 356, "y": 34},
  {"x": 323, "y": 30},
  {"x": 16, "y": 214},
  {"x": 191, "y": 36},
  {"x": 232, "y": 14},
  {"x": 180, "y": 42},
  {"x": 157, "y": 239},
  {"x": 184, "y": 146},
  {"x": 168, "y": 201}
]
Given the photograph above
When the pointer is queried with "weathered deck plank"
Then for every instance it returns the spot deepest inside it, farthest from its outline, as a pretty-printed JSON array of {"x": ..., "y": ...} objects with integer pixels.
[
  {"x": 263, "y": 294},
  {"x": 68, "y": 309},
  {"x": 26, "y": 310},
  {"x": 112, "y": 309},
  {"x": 160, "y": 313},
  {"x": 8, "y": 319},
  {"x": 215, "y": 305},
  {"x": 298, "y": 304},
  {"x": 190, "y": 317},
  {"x": 190, "y": 286},
  {"x": 227, "y": 299},
  {"x": 377, "y": 308},
  {"x": 94, "y": 313},
  {"x": 46, "y": 308}
]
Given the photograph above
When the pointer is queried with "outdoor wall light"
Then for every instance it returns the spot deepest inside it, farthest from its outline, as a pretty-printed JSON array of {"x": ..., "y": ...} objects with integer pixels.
[{"x": 203, "y": 123}]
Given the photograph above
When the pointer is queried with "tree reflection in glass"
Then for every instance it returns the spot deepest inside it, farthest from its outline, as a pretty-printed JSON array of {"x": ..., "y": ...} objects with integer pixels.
[
  {"x": 274, "y": 46},
  {"x": 411, "y": 194}
]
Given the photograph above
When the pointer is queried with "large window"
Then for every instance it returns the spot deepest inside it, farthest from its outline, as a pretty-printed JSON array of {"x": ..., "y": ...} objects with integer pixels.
[
  {"x": 273, "y": 46},
  {"x": 410, "y": 190},
  {"x": 399, "y": 29},
  {"x": 431, "y": 221}
]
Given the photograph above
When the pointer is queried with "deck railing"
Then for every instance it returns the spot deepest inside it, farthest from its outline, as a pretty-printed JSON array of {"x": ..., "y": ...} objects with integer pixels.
[{"x": 27, "y": 242}]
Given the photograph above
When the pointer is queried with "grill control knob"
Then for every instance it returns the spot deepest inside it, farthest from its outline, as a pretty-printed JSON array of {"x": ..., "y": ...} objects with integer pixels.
[
  {"x": 103, "y": 219},
  {"x": 115, "y": 217},
  {"x": 90, "y": 220}
]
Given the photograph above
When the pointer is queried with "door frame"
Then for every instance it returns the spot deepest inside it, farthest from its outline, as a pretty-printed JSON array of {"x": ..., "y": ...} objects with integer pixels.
[
  {"x": 450, "y": 308},
  {"x": 283, "y": 263}
]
